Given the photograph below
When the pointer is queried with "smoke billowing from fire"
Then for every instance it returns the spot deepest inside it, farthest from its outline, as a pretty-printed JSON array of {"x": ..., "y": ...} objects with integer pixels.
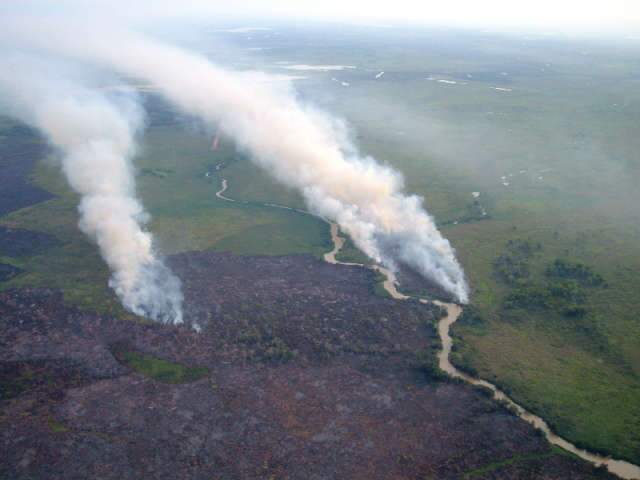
[
  {"x": 298, "y": 144},
  {"x": 95, "y": 136}
]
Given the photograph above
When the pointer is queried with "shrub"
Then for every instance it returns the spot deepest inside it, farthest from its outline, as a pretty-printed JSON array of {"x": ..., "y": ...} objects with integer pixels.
[
  {"x": 528, "y": 297},
  {"x": 470, "y": 316},
  {"x": 427, "y": 363},
  {"x": 579, "y": 272}
]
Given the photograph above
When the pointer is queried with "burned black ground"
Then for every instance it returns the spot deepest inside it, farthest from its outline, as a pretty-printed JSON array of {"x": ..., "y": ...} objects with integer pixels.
[
  {"x": 17, "y": 242},
  {"x": 20, "y": 149},
  {"x": 310, "y": 375}
]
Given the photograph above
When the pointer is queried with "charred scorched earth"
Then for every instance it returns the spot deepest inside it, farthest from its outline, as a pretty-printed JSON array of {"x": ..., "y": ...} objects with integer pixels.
[{"x": 299, "y": 372}]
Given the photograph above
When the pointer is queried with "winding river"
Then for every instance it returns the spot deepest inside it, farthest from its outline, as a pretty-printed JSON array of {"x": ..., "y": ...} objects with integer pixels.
[{"x": 621, "y": 468}]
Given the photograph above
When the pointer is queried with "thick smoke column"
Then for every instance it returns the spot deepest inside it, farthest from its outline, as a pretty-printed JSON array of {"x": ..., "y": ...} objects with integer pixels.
[
  {"x": 96, "y": 138},
  {"x": 306, "y": 149},
  {"x": 299, "y": 145}
]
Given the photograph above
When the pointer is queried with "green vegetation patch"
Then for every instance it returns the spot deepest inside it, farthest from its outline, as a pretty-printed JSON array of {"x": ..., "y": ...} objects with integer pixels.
[
  {"x": 57, "y": 426},
  {"x": 378, "y": 285},
  {"x": 427, "y": 363},
  {"x": 561, "y": 289},
  {"x": 493, "y": 466},
  {"x": 426, "y": 360},
  {"x": 512, "y": 267},
  {"x": 157, "y": 172},
  {"x": 349, "y": 253},
  {"x": 157, "y": 368},
  {"x": 575, "y": 271}
]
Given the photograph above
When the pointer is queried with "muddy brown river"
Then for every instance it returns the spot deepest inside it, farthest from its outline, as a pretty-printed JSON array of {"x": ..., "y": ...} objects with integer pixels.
[{"x": 621, "y": 468}]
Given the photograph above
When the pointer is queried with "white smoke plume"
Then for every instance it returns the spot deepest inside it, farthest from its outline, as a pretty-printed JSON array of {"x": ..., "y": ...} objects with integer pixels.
[
  {"x": 296, "y": 143},
  {"x": 95, "y": 136}
]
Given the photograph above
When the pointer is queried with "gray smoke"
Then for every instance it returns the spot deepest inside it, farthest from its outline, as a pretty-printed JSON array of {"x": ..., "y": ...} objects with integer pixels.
[{"x": 95, "y": 136}]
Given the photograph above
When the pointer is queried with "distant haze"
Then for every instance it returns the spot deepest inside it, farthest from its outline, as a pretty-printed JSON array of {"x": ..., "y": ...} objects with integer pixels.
[{"x": 590, "y": 16}]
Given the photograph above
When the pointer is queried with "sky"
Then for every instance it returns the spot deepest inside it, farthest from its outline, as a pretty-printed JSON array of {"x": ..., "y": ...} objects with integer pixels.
[{"x": 568, "y": 16}]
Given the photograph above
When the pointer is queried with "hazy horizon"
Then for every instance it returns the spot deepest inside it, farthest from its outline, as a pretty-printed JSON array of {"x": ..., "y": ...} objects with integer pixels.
[{"x": 618, "y": 18}]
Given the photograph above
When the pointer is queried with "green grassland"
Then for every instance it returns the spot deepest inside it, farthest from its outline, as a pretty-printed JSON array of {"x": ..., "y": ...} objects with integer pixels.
[
  {"x": 187, "y": 215},
  {"x": 349, "y": 253},
  {"x": 158, "y": 368}
]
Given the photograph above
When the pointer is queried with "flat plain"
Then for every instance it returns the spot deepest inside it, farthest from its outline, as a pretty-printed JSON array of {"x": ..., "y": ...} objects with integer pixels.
[{"x": 541, "y": 128}]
